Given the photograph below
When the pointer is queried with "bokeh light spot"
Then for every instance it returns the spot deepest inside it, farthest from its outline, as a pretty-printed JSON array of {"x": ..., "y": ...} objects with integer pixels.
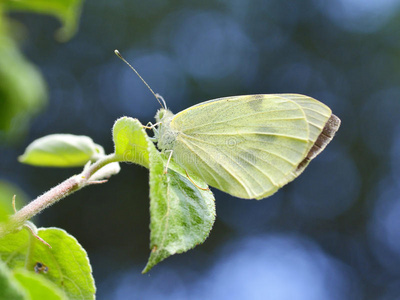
[
  {"x": 212, "y": 46},
  {"x": 328, "y": 198}
]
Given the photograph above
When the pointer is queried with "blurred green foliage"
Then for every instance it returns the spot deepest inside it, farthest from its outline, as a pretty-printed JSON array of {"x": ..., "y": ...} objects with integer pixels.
[
  {"x": 23, "y": 92},
  {"x": 67, "y": 11},
  {"x": 22, "y": 88},
  {"x": 9, "y": 288}
]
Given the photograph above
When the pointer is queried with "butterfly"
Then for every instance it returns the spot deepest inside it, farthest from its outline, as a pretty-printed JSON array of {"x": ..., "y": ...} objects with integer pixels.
[{"x": 247, "y": 146}]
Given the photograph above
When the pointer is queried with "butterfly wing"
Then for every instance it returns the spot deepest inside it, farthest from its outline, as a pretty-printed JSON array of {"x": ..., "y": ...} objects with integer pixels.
[{"x": 248, "y": 146}]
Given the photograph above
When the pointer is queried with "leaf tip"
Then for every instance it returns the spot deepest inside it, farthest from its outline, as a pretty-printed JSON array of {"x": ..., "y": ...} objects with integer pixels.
[
  {"x": 21, "y": 158},
  {"x": 146, "y": 269}
]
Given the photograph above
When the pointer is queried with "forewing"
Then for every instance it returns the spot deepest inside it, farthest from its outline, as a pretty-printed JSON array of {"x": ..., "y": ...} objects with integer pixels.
[{"x": 247, "y": 146}]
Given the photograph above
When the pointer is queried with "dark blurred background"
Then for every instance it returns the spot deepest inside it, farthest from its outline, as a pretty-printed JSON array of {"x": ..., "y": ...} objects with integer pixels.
[{"x": 334, "y": 233}]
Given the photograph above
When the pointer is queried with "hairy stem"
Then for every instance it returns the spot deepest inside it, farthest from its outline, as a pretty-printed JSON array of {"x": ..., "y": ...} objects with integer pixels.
[{"x": 55, "y": 194}]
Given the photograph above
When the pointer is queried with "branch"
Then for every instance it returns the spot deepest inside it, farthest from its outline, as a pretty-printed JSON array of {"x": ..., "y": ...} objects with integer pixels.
[{"x": 55, "y": 194}]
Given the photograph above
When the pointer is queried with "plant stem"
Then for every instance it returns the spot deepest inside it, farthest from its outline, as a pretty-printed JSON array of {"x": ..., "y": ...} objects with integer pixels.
[{"x": 55, "y": 194}]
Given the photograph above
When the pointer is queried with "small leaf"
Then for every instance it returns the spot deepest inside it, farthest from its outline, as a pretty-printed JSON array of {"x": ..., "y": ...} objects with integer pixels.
[
  {"x": 131, "y": 141},
  {"x": 106, "y": 172},
  {"x": 67, "y": 262},
  {"x": 61, "y": 150},
  {"x": 38, "y": 287},
  {"x": 67, "y": 11},
  {"x": 182, "y": 215},
  {"x": 9, "y": 286}
]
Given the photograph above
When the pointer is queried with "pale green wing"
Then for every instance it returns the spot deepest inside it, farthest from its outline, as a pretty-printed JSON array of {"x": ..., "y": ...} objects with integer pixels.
[{"x": 247, "y": 146}]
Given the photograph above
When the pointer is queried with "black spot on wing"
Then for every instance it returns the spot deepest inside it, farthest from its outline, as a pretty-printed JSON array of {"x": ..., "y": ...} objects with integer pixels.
[{"x": 256, "y": 104}]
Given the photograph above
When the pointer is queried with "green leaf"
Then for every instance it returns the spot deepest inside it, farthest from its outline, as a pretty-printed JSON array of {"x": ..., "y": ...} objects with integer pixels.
[
  {"x": 131, "y": 141},
  {"x": 37, "y": 287},
  {"x": 67, "y": 262},
  {"x": 182, "y": 214},
  {"x": 10, "y": 289},
  {"x": 67, "y": 11},
  {"x": 61, "y": 150}
]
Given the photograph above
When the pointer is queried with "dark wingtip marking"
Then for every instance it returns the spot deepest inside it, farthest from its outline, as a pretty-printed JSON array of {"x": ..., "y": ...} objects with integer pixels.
[{"x": 322, "y": 141}]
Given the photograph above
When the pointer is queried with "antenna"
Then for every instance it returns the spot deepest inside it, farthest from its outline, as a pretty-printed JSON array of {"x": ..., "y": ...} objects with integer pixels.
[{"x": 158, "y": 97}]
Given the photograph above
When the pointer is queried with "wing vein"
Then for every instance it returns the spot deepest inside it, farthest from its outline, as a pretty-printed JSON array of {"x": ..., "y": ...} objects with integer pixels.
[
  {"x": 251, "y": 133},
  {"x": 240, "y": 117},
  {"x": 228, "y": 171},
  {"x": 196, "y": 154},
  {"x": 262, "y": 172},
  {"x": 277, "y": 155}
]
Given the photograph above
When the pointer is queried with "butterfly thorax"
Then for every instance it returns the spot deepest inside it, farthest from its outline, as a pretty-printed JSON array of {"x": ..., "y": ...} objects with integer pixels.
[{"x": 166, "y": 135}]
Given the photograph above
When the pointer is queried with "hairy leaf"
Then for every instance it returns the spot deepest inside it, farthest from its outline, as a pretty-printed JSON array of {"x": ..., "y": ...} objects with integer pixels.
[
  {"x": 131, "y": 141},
  {"x": 182, "y": 214},
  {"x": 67, "y": 262}
]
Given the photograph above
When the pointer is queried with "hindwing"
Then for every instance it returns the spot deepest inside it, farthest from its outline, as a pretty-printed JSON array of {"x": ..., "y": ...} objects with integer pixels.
[{"x": 248, "y": 146}]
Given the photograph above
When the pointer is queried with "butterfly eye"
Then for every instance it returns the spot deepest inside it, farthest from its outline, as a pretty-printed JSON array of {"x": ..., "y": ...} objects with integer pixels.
[{"x": 160, "y": 114}]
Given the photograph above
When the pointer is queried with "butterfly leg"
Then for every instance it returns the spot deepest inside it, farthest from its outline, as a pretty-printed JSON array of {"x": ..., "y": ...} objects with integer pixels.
[
  {"x": 203, "y": 189},
  {"x": 169, "y": 159},
  {"x": 150, "y": 125},
  {"x": 166, "y": 170}
]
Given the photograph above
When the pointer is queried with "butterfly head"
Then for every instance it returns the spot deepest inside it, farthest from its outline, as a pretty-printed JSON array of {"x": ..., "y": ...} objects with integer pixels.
[{"x": 161, "y": 114}]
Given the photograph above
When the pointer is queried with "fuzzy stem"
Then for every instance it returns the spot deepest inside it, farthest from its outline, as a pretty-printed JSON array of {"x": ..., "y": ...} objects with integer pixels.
[{"x": 55, "y": 194}]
